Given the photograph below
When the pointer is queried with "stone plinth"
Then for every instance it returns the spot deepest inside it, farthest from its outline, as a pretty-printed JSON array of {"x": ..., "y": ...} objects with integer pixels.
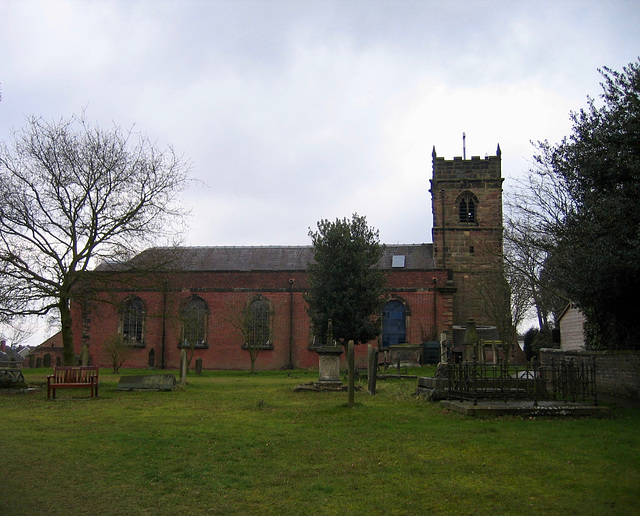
[
  {"x": 329, "y": 364},
  {"x": 328, "y": 371}
]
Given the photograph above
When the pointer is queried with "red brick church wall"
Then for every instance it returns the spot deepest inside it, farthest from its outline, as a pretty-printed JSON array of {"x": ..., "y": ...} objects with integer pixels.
[{"x": 219, "y": 290}]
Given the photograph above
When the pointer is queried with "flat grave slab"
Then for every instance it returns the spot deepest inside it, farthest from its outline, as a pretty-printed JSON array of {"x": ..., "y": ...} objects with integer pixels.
[
  {"x": 147, "y": 382},
  {"x": 525, "y": 408}
]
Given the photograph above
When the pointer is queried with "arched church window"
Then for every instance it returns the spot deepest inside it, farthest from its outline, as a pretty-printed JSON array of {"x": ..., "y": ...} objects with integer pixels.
[
  {"x": 467, "y": 208},
  {"x": 133, "y": 322},
  {"x": 258, "y": 324},
  {"x": 194, "y": 323}
]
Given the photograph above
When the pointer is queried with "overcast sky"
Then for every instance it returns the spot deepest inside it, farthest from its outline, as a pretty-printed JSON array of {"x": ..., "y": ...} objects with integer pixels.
[{"x": 294, "y": 111}]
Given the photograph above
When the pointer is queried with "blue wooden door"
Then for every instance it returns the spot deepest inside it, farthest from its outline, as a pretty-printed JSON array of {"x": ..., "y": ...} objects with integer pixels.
[{"x": 394, "y": 329}]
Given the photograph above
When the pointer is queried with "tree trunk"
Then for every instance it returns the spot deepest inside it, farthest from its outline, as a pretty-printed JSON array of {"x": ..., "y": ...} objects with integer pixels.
[
  {"x": 68, "y": 355},
  {"x": 253, "y": 355}
]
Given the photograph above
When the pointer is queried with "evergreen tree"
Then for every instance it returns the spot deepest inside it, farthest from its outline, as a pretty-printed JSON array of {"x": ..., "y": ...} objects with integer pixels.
[
  {"x": 345, "y": 285},
  {"x": 596, "y": 244}
]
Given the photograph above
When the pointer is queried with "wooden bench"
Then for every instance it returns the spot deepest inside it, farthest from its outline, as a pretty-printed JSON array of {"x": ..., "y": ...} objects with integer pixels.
[{"x": 67, "y": 377}]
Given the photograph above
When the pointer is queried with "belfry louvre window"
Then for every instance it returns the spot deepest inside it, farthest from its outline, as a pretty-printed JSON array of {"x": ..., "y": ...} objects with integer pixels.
[
  {"x": 194, "y": 324},
  {"x": 467, "y": 208},
  {"x": 133, "y": 322}
]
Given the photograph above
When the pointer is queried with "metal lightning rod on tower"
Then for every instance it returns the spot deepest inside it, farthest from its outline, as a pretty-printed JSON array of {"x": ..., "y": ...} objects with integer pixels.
[{"x": 464, "y": 146}]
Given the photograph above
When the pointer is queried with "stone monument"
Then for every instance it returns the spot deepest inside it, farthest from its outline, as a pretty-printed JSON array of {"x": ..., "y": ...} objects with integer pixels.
[
  {"x": 471, "y": 343},
  {"x": 84, "y": 355},
  {"x": 328, "y": 366},
  {"x": 329, "y": 361}
]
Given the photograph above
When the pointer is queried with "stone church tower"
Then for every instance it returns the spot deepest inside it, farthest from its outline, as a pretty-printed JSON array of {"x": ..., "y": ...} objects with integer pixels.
[{"x": 466, "y": 199}]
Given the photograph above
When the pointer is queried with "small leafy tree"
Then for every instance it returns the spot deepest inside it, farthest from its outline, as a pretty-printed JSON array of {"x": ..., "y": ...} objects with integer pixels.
[
  {"x": 118, "y": 350},
  {"x": 345, "y": 285}
]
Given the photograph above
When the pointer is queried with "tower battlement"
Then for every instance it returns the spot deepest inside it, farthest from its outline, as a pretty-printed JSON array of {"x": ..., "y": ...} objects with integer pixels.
[{"x": 458, "y": 168}]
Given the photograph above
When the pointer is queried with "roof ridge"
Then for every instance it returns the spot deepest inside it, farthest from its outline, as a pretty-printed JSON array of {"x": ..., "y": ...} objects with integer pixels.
[
  {"x": 235, "y": 247},
  {"x": 268, "y": 246}
]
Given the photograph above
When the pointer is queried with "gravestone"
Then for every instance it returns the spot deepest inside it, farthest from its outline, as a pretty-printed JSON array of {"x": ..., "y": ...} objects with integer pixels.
[
  {"x": 183, "y": 367},
  {"x": 470, "y": 343},
  {"x": 352, "y": 373},
  {"x": 149, "y": 382},
  {"x": 372, "y": 372},
  {"x": 84, "y": 355},
  {"x": 152, "y": 358},
  {"x": 199, "y": 365},
  {"x": 329, "y": 365}
]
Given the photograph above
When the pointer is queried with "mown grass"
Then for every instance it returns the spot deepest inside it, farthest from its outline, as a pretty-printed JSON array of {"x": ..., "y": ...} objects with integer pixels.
[{"x": 235, "y": 443}]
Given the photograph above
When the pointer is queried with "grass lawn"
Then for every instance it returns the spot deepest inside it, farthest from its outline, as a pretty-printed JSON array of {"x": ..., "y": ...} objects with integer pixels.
[{"x": 235, "y": 443}]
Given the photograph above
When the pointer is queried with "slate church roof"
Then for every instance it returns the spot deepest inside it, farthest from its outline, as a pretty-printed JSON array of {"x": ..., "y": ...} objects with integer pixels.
[{"x": 266, "y": 258}]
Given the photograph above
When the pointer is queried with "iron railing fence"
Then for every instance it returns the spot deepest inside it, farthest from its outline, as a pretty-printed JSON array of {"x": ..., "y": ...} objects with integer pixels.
[
  {"x": 571, "y": 380},
  {"x": 563, "y": 380}
]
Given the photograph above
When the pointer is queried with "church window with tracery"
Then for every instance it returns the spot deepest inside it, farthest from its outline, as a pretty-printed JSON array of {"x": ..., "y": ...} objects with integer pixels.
[
  {"x": 194, "y": 323},
  {"x": 258, "y": 324},
  {"x": 133, "y": 322}
]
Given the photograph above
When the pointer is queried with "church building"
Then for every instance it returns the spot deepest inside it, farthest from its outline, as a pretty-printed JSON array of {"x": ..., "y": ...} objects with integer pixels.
[{"x": 192, "y": 297}]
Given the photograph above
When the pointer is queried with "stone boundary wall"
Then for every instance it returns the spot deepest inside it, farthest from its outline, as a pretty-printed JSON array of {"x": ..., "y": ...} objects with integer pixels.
[{"x": 617, "y": 372}]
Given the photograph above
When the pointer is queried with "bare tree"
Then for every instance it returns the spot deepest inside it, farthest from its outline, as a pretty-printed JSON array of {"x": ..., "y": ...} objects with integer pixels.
[
  {"x": 71, "y": 195},
  {"x": 118, "y": 350},
  {"x": 534, "y": 208},
  {"x": 495, "y": 292},
  {"x": 17, "y": 332},
  {"x": 251, "y": 319},
  {"x": 505, "y": 291}
]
